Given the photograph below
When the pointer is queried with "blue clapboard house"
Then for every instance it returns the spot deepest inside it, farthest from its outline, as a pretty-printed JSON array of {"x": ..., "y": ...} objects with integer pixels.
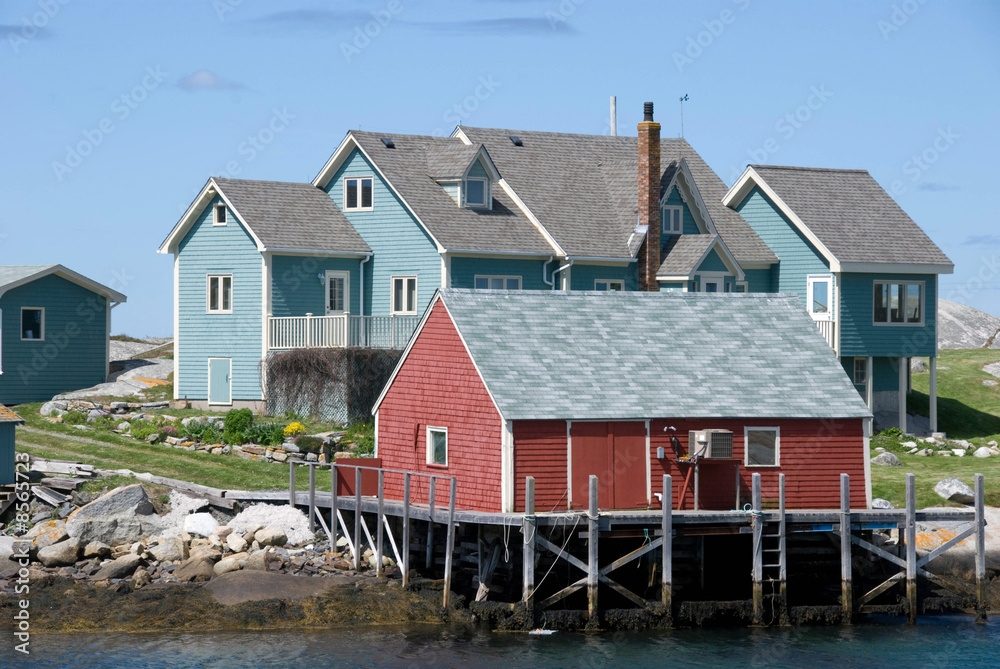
[{"x": 354, "y": 257}]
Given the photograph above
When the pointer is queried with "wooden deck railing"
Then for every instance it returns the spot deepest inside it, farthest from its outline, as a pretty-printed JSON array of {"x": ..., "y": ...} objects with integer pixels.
[{"x": 342, "y": 330}]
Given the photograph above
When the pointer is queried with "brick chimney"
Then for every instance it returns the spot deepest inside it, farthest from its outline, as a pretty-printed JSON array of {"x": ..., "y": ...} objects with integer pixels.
[{"x": 649, "y": 197}]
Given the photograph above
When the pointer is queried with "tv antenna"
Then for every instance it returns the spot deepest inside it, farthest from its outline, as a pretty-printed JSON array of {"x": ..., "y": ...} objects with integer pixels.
[{"x": 684, "y": 98}]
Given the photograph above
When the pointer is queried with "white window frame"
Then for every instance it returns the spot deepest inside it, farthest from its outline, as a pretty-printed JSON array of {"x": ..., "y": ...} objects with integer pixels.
[
  {"x": 430, "y": 446},
  {"x": 215, "y": 215},
  {"x": 746, "y": 444},
  {"x": 486, "y": 193},
  {"x": 712, "y": 277},
  {"x": 863, "y": 370},
  {"x": 888, "y": 309},
  {"x": 208, "y": 293},
  {"x": 337, "y": 274},
  {"x": 813, "y": 279},
  {"x": 741, "y": 284},
  {"x": 619, "y": 282},
  {"x": 490, "y": 277},
  {"x": 359, "y": 179},
  {"x": 41, "y": 320},
  {"x": 668, "y": 227},
  {"x": 392, "y": 294}
]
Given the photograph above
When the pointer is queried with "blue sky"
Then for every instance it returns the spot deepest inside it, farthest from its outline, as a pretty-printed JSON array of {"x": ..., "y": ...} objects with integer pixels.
[{"x": 115, "y": 114}]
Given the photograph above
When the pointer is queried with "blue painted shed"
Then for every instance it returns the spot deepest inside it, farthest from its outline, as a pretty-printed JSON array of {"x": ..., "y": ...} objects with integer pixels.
[
  {"x": 54, "y": 332},
  {"x": 8, "y": 422}
]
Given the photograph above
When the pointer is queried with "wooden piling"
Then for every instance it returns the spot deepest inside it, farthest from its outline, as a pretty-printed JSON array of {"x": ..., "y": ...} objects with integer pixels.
[
  {"x": 592, "y": 556},
  {"x": 333, "y": 506},
  {"x": 406, "y": 529},
  {"x": 528, "y": 568},
  {"x": 357, "y": 519},
  {"x": 980, "y": 551},
  {"x": 449, "y": 542},
  {"x": 782, "y": 554},
  {"x": 380, "y": 532},
  {"x": 429, "y": 560},
  {"x": 291, "y": 484},
  {"x": 846, "y": 589},
  {"x": 312, "y": 498},
  {"x": 911, "y": 547},
  {"x": 667, "y": 530},
  {"x": 757, "y": 521}
]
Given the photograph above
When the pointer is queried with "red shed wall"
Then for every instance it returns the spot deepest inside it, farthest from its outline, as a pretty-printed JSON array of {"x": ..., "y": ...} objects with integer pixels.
[
  {"x": 540, "y": 451},
  {"x": 812, "y": 455},
  {"x": 438, "y": 385}
]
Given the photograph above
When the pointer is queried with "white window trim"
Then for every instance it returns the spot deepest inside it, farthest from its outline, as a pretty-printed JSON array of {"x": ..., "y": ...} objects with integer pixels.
[
  {"x": 854, "y": 377},
  {"x": 712, "y": 277},
  {"x": 923, "y": 303},
  {"x": 430, "y": 448},
  {"x": 744, "y": 284},
  {"x": 620, "y": 282},
  {"x": 746, "y": 444},
  {"x": 337, "y": 274},
  {"x": 490, "y": 277},
  {"x": 208, "y": 294},
  {"x": 359, "y": 180},
  {"x": 215, "y": 215},
  {"x": 486, "y": 193},
  {"x": 392, "y": 294},
  {"x": 822, "y": 278},
  {"x": 680, "y": 220},
  {"x": 20, "y": 324}
]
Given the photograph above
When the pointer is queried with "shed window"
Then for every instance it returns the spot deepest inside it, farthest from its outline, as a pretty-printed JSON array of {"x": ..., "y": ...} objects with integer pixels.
[
  {"x": 860, "y": 371},
  {"x": 475, "y": 192},
  {"x": 437, "y": 446},
  {"x": 899, "y": 303},
  {"x": 609, "y": 284},
  {"x": 404, "y": 295},
  {"x": 32, "y": 323},
  {"x": 498, "y": 282},
  {"x": 762, "y": 446},
  {"x": 219, "y": 218},
  {"x": 358, "y": 194},
  {"x": 672, "y": 220},
  {"x": 220, "y": 293}
]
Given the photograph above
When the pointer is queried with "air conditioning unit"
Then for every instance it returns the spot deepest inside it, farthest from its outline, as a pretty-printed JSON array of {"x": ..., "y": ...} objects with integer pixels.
[{"x": 710, "y": 443}]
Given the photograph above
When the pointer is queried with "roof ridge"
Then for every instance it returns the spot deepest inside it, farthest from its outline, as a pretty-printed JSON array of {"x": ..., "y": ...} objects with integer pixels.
[
  {"x": 809, "y": 169},
  {"x": 269, "y": 181}
]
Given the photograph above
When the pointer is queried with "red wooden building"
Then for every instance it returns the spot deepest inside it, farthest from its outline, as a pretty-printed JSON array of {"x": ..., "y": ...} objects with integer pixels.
[{"x": 496, "y": 386}]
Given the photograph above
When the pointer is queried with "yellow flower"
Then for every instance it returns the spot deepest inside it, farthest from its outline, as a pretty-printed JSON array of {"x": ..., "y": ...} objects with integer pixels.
[{"x": 295, "y": 429}]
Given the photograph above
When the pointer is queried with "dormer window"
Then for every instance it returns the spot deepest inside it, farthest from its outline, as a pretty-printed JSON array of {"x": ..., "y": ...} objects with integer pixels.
[
  {"x": 358, "y": 194},
  {"x": 219, "y": 217},
  {"x": 672, "y": 218},
  {"x": 476, "y": 192}
]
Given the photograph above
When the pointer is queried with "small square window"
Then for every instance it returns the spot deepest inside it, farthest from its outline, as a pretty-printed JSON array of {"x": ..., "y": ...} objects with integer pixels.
[
  {"x": 614, "y": 285},
  {"x": 762, "y": 446},
  {"x": 437, "y": 446},
  {"x": 860, "y": 371},
  {"x": 672, "y": 218},
  {"x": 475, "y": 192},
  {"x": 32, "y": 323},
  {"x": 358, "y": 195},
  {"x": 220, "y": 294},
  {"x": 219, "y": 217}
]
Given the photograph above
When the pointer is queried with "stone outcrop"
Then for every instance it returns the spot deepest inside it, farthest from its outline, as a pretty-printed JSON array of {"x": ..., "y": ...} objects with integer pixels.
[
  {"x": 954, "y": 490},
  {"x": 124, "y": 515}
]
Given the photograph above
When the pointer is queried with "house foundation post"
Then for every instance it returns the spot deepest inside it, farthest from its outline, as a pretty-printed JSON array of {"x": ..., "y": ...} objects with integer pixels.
[
  {"x": 933, "y": 394},
  {"x": 528, "y": 567},
  {"x": 903, "y": 382},
  {"x": 592, "y": 556},
  {"x": 406, "y": 529},
  {"x": 757, "y": 520},
  {"x": 980, "y": 552},
  {"x": 911, "y": 547},
  {"x": 846, "y": 589},
  {"x": 782, "y": 555},
  {"x": 667, "y": 529}
]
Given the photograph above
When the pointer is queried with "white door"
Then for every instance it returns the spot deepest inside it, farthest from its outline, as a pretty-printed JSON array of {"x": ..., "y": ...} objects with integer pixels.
[
  {"x": 819, "y": 296},
  {"x": 338, "y": 294}
]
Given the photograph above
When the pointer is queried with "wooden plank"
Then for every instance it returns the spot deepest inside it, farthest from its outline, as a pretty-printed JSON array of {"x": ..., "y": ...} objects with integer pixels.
[
  {"x": 333, "y": 505},
  {"x": 881, "y": 552},
  {"x": 625, "y": 559},
  {"x": 846, "y": 587},
  {"x": 49, "y": 496},
  {"x": 882, "y": 587},
  {"x": 758, "y": 554},
  {"x": 954, "y": 541},
  {"x": 322, "y": 524},
  {"x": 564, "y": 593},
  {"x": 392, "y": 540},
  {"x": 486, "y": 579},
  {"x": 429, "y": 558},
  {"x": 667, "y": 558},
  {"x": 347, "y": 534},
  {"x": 66, "y": 484},
  {"x": 528, "y": 562},
  {"x": 980, "y": 527},
  {"x": 592, "y": 566},
  {"x": 312, "y": 496},
  {"x": 560, "y": 553},
  {"x": 624, "y": 592},
  {"x": 291, "y": 484},
  {"x": 380, "y": 520},
  {"x": 56, "y": 467},
  {"x": 368, "y": 534},
  {"x": 450, "y": 541},
  {"x": 782, "y": 553},
  {"x": 911, "y": 548},
  {"x": 357, "y": 518},
  {"x": 406, "y": 529}
]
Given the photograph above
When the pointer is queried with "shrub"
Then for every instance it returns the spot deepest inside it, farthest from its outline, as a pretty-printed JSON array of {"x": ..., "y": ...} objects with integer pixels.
[
  {"x": 74, "y": 417},
  {"x": 237, "y": 426},
  {"x": 211, "y": 435},
  {"x": 142, "y": 429},
  {"x": 891, "y": 433},
  {"x": 363, "y": 434},
  {"x": 167, "y": 431},
  {"x": 309, "y": 444},
  {"x": 295, "y": 429}
]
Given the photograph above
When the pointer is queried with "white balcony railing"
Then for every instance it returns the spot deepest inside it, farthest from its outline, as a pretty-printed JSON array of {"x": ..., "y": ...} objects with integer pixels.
[
  {"x": 340, "y": 331},
  {"x": 827, "y": 330}
]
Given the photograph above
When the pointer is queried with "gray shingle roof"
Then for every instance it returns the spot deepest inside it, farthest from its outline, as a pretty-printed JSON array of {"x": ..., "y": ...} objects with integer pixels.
[
  {"x": 292, "y": 215},
  {"x": 589, "y": 355},
  {"x": 408, "y": 167},
  {"x": 450, "y": 160},
  {"x": 682, "y": 253},
  {"x": 852, "y": 215},
  {"x": 13, "y": 274},
  {"x": 583, "y": 189}
]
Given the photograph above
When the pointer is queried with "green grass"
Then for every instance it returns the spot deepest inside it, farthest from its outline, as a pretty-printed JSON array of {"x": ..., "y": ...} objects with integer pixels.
[{"x": 966, "y": 410}]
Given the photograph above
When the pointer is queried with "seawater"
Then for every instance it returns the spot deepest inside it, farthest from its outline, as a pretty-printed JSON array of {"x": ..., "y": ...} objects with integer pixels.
[{"x": 934, "y": 642}]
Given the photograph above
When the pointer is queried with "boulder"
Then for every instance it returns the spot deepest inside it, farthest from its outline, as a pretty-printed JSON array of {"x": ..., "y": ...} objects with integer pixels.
[
  {"x": 62, "y": 554},
  {"x": 96, "y": 549},
  {"x": 992, "y": 444},
  {"x": 959, "y": 452},
  {"x": 195, "y": 569},
  {"x": 962, "y": 443},
  {"x": 879, "y": 503},
  {"x": 46, "y": 533},
  {"x": 170, "y": 549},
  {"x": 955, "y": 490},
  {"x": 880, "y": 450},
  {"x": 909, "y": 444},
  {"x": 118, "y": 568},
  {"x": 50, "y": 408},
  {"x": 982, "y": 452},
  {"x": 918, "y": 365},
  {"x": 229, "y": 564},
  {"x": 236, "y": 543},
  {"x": 887, "y": 459},
  {"x": 260, "y": 560},
  {"x": 925, "y": 452},
  {"x": 200, "y": 524},
  {"x": 271, "y": 536},
  {"x": 946, "y": 454},
  {"x": 124, "y": 515},
  {"x": 7, "y": 546},
  {"x": 222, "y": 531},
  {"x": 141, "y": 577}
]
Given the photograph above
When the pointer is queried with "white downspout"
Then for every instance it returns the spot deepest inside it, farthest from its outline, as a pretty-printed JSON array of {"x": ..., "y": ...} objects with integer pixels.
[
  {"x": 552, "y": 283},
  {"x": 361, "y": 285},
  {"x": 564, "y": 267}
]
